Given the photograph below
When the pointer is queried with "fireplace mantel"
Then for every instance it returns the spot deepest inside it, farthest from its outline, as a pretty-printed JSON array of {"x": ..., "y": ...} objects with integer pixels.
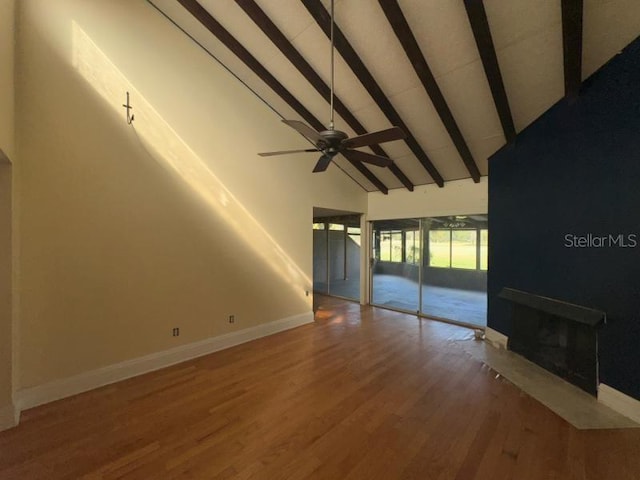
[{"x": 577, "y": 313}]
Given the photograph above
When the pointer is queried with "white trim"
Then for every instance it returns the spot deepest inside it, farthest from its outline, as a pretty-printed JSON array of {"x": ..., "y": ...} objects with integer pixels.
[
  {"x": 9, "y": 417},
  {"x": 49, "y": 392},
  {"x": 620, "y": 402},
  {"x": 365, "y": 263},
  {"x": 495, "y": 338}
]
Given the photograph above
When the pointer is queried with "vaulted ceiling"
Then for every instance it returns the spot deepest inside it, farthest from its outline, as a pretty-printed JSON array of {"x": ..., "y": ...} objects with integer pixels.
[{"x": 460, "y": 77}]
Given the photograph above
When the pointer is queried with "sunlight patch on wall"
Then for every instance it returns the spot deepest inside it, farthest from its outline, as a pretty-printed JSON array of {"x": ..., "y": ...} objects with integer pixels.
[{"x": 168, "y": 148}]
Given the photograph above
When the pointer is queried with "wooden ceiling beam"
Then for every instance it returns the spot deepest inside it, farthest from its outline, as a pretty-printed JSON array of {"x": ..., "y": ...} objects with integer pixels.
[
  {"x": 482, "y": 34},
  {"x": 400, "y": 26},
  {"x": 265, "y": 24},
  {"x": 323, "y": 19},
  {"x": 572, "y": 45},
  {"x": 366, "y": 172},
  {"x": 211, "y": 24}
]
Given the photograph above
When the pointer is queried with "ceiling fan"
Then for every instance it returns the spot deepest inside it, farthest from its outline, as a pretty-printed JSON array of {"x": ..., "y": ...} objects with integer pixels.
[{"x": 330, "y": 142}]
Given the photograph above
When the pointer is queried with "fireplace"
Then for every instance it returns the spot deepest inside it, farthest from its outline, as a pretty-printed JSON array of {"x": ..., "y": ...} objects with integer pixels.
[{"x": 558, "y": 336}]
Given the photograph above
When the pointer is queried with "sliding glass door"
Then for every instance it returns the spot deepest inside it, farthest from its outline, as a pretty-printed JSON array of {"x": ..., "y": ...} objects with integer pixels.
[
  {"x": 395, "y": 267},
  {"x": 454, "y": 269},
  {"x": 434, "y": 266}
]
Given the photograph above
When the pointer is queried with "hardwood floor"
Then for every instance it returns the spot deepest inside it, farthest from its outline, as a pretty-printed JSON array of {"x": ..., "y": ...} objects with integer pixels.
[{"x": 362, "y": 393}]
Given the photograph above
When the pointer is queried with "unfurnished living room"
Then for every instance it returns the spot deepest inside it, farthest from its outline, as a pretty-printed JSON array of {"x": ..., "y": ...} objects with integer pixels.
[{"x": 323, "y": 239}]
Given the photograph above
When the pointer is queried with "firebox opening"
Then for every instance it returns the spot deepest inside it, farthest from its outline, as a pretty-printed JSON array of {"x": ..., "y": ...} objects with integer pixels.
[{"x": 558, "y": 336}]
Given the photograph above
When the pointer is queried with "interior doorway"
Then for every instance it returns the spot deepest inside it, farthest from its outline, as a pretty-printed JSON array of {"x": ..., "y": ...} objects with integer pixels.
[{"x": 337, "y": 253}]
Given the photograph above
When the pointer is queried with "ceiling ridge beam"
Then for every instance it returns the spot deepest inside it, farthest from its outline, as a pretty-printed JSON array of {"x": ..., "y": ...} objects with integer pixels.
[
  {"x": 403, "y": 32},
  {"x": 274, "y": 34},
  {"x": 211, "y": 24},
  {"x": 322, "y": 18},
  {"x": 484, "y": 41},
  {"x": 572, "y": 11}
]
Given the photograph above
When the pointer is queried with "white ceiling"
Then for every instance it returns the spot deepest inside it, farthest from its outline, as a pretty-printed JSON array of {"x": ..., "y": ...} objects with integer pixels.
[{"x": 527, "y": 35}]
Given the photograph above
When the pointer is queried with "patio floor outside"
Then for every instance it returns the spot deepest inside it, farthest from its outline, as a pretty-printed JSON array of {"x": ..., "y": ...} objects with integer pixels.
[{"x": 396, "y": 292}]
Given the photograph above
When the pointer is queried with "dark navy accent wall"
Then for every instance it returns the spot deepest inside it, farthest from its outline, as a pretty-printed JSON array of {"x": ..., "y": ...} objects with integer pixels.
[{"x": 576, "y": 171}]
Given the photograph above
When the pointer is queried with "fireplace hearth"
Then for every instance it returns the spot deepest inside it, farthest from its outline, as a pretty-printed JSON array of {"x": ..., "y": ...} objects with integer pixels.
[{"x": 559, "y": 336}]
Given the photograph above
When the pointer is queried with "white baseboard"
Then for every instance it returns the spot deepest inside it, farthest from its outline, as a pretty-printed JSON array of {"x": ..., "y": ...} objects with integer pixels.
[
  {"x": 9, "y": 417},
  {"x": 66, "y": 387},
  {"x": 620, "y": 402},
  {"x": 496, "y": 338}
]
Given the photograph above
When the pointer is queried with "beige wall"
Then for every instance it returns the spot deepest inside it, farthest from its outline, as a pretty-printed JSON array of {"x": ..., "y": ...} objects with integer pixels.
[
  {"x": 128, "y": 231},
  {"x": 7, "y": 34},
  {"x": 7, "y": 151},
  {"x": 459, "y": 197}
]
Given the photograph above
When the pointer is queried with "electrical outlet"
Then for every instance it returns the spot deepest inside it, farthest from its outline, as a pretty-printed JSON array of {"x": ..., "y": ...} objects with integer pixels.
[
  {"x": 175, "y": 332},
  {"x": 232, "y": 319}
]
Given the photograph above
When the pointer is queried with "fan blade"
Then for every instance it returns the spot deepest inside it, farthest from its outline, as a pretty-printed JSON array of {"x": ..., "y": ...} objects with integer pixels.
[
  {"x": 322, "y": 164},
  {"x": 305, "y": 130},
  {"x": 285, "y": 152},
  {"x": 375, "y": 138},
  {"x": 367, "y": 158}
]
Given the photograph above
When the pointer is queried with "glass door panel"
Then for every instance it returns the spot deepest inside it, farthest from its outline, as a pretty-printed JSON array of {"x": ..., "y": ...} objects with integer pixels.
[
  {"x": 395, "y": 264},
  {"x": 454, "y": 268}
]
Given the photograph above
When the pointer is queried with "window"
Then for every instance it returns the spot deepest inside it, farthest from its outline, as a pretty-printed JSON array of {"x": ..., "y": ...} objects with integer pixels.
[
  {"x": 318, "y": 226},
  {"x": 336, "y": 226},
  {"x": 385, "y": 246},
  {"x": 484, "y": 249},
  {"x": 391, "y": 246},
  {"x": 458, "y": 248},
  {"x": 354, "y": 234},
  {"x": 440, "y": 248},
  {"x": 412, "y": 246},
  {"x": 396, "y": 246},
  {"x": 463, "y": 249}
]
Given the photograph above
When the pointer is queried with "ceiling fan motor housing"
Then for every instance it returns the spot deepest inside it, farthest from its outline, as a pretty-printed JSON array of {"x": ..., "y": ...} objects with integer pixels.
[{"x": 331, "y": 141}]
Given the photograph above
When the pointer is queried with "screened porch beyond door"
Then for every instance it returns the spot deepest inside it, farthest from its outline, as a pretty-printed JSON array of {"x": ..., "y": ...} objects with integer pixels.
[{"x": 434, "y": 266}]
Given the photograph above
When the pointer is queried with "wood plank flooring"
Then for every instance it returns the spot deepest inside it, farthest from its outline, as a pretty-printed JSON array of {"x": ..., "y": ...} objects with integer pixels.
[{"x": 362, "y": 393}]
